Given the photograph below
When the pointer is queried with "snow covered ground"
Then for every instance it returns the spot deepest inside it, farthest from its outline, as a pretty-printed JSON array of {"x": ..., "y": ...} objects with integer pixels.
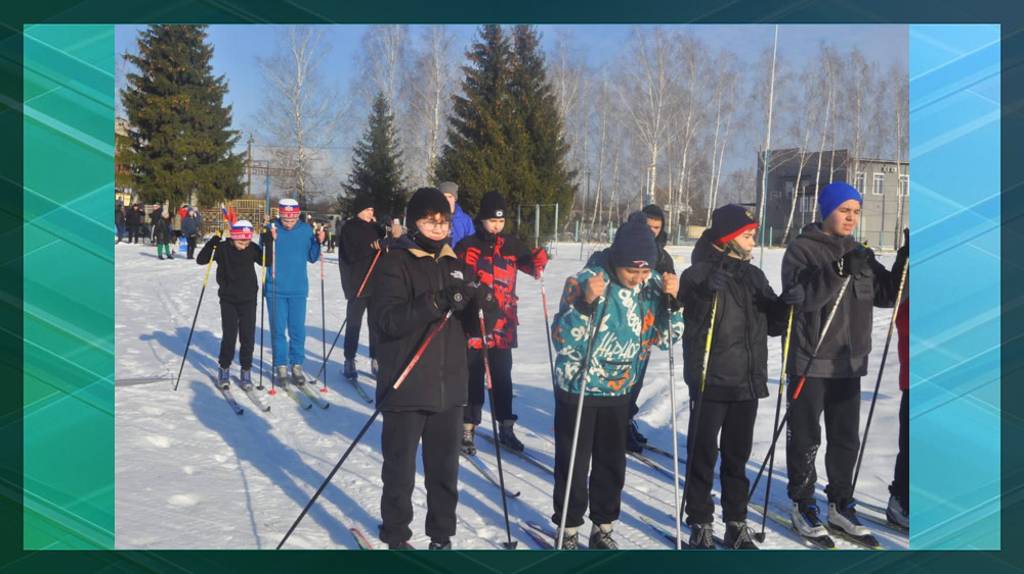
[{"x": 192, "y": 474}]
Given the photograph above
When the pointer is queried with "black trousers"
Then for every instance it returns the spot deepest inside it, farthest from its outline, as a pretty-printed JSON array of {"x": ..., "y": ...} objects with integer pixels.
[
  {"x": 603, "y": 440},
  {"x": 501, "y": 381},
  {"x": 238, "y": 321},
  {"x": 353, "y": 323},
  {"x": 401, "y": 434},
  {"x": 900, "y": 487},
  {"x": 840, "y": 400},
  {"x": 191, "y": 245},
  {"x": 735, "y": 421}
]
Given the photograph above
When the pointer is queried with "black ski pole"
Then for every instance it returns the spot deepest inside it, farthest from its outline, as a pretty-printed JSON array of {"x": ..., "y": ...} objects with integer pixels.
[
  {"x": 796, "y": 393},
  {"x": 323, "y": 326},
  {"x": 263, "y": 303},
  {"x": 199, "y": 305},
  {"x": 547, "y": 327},
  {"x": 881, "y": 369},
  {"x": 380, "y": 403},
  {"x": 510, "y": 545},
  {"x": 778, "y": 408},
  {"x": 362, "y": 286}
]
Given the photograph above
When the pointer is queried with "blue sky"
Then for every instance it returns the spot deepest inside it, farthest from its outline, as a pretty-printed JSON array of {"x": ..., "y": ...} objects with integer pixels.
[{"x": 237, "y": 47}]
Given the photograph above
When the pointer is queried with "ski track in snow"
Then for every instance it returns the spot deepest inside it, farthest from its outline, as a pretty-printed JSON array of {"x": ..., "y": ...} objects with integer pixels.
[{"x": 192, "y": 474}]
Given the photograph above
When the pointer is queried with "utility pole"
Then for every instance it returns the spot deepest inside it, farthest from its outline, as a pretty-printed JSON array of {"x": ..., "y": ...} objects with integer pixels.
[{"x": 248, "y": 187}]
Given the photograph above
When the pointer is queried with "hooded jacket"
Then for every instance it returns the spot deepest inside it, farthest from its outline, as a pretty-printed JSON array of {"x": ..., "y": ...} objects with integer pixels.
[
  {"x": 404, "y": 312},
  {"x": 810, "y": 261},
  {"x": 462, "y": 225},
  {"x": 631, "y": 320},
  {"x": 748, "y": 312}
]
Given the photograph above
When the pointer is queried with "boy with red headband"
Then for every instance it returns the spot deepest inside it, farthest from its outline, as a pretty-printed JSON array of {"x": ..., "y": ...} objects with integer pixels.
[{"x": 238, "y": 289}]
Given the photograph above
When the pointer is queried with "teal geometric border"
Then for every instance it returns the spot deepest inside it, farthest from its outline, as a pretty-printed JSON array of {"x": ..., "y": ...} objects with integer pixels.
[
  {"x": 955, "y": 319},
  {"x": 68, "y": 287}
]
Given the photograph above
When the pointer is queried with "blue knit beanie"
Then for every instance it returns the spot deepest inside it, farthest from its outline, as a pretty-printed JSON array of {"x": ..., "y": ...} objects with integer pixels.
[{"x": 835, "y": 194}]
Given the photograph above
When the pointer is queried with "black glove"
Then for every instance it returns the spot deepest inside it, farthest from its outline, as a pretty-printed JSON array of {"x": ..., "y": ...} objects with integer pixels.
[
  {"x": 455, "y": 293},
  {"x": 718, "y": 280},
  {"x": 795, "y": 295},
  {"x": 483, "y": 297},
  {"x": 854, "y": 262}
]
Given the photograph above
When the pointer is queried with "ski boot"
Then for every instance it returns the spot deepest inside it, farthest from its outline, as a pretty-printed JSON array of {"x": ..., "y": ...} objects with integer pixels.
[
  {"x": 298, "y": 377},
  {"x": 401, "y": 546},
  {"x": 635, "y": 442},
  {"x": 897, "y": 513},
  {"x": 571, "y": 540},
  {"x": 702, "y": 536},
  {"x": 440, "y": 545},
  {"x": 160, "y": 257},
  {"x": 281, "y": 372},
  {"x": 507, "y": 436},
  {"x": 350, "y": 369},
  {"x": 842, "y": 518},
  {"x": 245, "y": 380},
  {"x": 224, "y": 378},
  {"x": 738, "y": 536},
  {"x": 468, "y": 443},
  {"x": 601, "y": 538},
  {"x": 804, "y": 516}
]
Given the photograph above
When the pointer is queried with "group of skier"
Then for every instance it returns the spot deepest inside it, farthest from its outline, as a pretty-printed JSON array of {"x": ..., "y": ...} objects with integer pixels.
[{"x": 442, "y": 306}]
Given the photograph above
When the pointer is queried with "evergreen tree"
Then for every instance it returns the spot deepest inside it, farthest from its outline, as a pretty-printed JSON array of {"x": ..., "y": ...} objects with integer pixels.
[
  {"x": 377, "y": 165},
  {"x": 180, "y": 128},
  {"x": 506, "y": 134},
  {"x": 477, "y": 154}
]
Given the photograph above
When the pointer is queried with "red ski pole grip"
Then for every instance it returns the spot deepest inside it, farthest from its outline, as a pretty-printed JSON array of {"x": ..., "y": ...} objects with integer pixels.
[{"x": 799, "y": 387}]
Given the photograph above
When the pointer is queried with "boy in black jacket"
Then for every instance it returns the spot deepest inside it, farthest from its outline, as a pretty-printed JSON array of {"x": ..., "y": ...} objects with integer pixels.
[
  {"x": 418, "y": 282},
  {"x": 238, "y": 289},
  {"x": 747, "y": 313},
  {"x": 360, "y": 241}
]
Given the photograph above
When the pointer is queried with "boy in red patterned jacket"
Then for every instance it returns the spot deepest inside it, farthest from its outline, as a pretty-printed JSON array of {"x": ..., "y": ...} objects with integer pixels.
[{"x": 496, "y": 259}]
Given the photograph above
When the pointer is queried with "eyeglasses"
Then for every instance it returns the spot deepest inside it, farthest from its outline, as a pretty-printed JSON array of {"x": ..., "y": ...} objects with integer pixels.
[{"x": 435, "y": 223}]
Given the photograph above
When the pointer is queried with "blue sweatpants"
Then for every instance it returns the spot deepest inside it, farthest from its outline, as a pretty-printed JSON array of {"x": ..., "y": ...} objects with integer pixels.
[{"x": 291, "y": 314}]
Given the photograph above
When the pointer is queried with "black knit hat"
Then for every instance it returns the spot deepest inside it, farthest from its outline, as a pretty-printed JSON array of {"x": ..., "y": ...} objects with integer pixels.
[
  {"x": 492, "y": 206},
  {"x": 634, "y": 244},
  {"x": 729, "y": 221},
  {"x": 360, "y": 202},
  {"x": 424, "y": 201}
]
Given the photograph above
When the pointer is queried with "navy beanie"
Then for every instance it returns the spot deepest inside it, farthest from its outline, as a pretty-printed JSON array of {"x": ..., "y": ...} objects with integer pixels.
[
  {"x": 653, "y": 211},
  {"x": 424, "y": 201},
  {"x": 835, "y": 194},
  {"x": 634, "y": 244},
  {"x": 729, "y": 222}
]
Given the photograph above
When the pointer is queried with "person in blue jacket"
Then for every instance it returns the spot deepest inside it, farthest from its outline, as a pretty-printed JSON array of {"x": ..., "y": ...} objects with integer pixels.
[
  {"x": 462, "y": 223},
  {"x": 292, "y": 244}
]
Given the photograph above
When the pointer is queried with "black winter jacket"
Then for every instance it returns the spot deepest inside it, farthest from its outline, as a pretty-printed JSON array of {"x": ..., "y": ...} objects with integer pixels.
[
  {"x": 404, "y": 312},
  {"x": 162, "y": 231},
  {"x": 356, "y": 238},
  {"x": 748, "y": 312},
  {"x": 236, "y": 276},
  {"x": 810, "y": 260}
]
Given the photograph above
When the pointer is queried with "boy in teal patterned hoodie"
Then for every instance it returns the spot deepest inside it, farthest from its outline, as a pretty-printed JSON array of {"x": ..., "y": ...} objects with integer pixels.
[{"x": 634, "y": 306}]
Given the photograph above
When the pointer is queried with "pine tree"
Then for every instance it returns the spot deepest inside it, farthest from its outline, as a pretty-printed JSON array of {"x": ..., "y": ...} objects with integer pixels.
[
  {"x": 377, "y": 165},
  {"x": 180, "y": 128},
  {"x": 506, "y": 134},
  {"x": 477, "y": 154}
]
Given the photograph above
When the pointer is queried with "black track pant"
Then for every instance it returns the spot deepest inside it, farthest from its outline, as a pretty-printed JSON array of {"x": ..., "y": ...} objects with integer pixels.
[
  {"x": 603, "y": 440},
  {"x": 735, "y": 421},
  {"x": 401, "y": 434},
  {"x": 501, "y": 381},
  {"x": 353, "y": 323},
  {"x": 238, "y": 321},
  {"x": 840, "y": 400}
]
